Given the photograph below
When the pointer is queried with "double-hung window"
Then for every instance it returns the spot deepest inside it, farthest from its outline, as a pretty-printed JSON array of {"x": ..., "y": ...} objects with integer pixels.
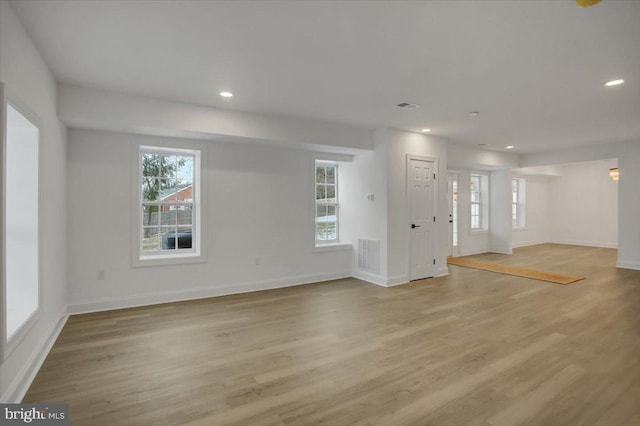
[
  {"x": 518, "y": 203},
  {"x": 476, "y": 202},
  {"x": 169, "y": 202},
  {"x": 326, "y": 196},
  {"x": 479, "y": 201}
]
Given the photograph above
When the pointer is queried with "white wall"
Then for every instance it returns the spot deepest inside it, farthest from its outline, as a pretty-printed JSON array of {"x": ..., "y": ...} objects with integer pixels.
[
  {"x": 259, "y": 206},
  {"x": 30, "y": 86},
  {"x": 536, "y": 230},
  {"x": 367, "y": 219},
  {"x": 500, "y": 214},
  {"x": 583, "y": 205},
  {"x": 629, "y": 207}
]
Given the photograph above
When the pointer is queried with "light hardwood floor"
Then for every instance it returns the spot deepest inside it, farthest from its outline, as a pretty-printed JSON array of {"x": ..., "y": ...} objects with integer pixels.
[{"x": 473, "y": 348}]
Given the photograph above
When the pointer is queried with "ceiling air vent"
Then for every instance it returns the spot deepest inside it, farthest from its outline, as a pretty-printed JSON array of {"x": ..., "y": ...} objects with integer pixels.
[{"x": 407, "y": 105}]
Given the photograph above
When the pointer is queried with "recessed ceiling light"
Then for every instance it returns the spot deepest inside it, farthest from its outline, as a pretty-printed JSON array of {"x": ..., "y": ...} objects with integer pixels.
[
  {"x": 474, "y": 114},
  {"x": 614, "y": 82},
  {"x": 426, "y": 130},
  {"x": 226, "y": 94},
  {"x": 509, "y": 146}
]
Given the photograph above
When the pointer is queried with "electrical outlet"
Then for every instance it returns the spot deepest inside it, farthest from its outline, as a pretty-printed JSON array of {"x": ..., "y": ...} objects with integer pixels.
[
  {"x": 102, "y": 275},
  {"x": 257, "y": 261}
]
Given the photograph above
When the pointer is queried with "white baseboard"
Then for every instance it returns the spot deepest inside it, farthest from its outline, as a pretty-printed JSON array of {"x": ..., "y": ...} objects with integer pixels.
[
  {"x": 20, "y": 384},
  {"x": 381, "y": 280},
  {"x": 528, "y": 243},
  {"x": 501, "y": 250},
  {"x": 443, "y": 271},
  {"x": 107, "y": 304},
  {"x": 397, "y": 280},
  {"x": 628, "y": 265},
  {"x": 584, "y": 243},
  {"x": 473, "y": 252},
  {"x": 370, "y": 278}
]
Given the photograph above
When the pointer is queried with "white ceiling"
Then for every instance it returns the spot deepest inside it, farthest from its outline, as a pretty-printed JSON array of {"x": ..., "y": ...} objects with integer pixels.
[{"x": 534, "y": 69}]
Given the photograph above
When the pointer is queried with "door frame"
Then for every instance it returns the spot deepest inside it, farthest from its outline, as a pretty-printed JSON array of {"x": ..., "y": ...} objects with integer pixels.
[{"x": 407, "y": 220}]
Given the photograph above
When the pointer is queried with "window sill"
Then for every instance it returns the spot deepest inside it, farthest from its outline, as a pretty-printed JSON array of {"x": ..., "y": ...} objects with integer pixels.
[
  {"x": 479, "y": 231},
  {"x": 520, "y": 228},
  {"x": 170, "y": 259},
  {"x": 332, "y": 247}
]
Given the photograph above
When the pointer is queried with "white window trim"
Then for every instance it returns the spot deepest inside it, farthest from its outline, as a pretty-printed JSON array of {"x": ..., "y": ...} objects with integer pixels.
[
  {"x": 333, "y": 246},
  {"x": 197, "y": 255},
  {"x": 319, "y": 247},
  {"x": 328, "y": 243},
  {"x": 10, "y": 344},
  {"x": 484, "y": 203}
]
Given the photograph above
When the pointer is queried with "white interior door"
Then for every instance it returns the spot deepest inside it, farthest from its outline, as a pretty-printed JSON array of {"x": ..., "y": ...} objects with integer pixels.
[{"x": 421, "y": 217}]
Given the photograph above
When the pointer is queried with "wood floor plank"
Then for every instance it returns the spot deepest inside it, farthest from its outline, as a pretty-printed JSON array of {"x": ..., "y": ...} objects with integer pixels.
[{"x": 535, "y": 401}]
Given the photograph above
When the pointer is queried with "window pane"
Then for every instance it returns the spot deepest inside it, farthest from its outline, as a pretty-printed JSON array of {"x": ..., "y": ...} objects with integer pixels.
[
  {"x": 168, "y": 190},
  {"x": 185, "y": 237},
  {"x": 331, "y": 193},
  {"x": 168, "y": 236},
  {"x": 185, "y": 215},
  {"x": 331, "y": 213},
  {"x": 184, "y": 190},
  {"x": 321, "y": 231},
  {"x": 321, "y": 214},
  {"x": 475, "y": 188},
  {"x": 320, "y": 174},
  {"x": 475, "y": 222},
  {"x": 168, "y": 215},
  {"x": 150, "y": 215},
  {"x": 331, "y": 175},
  {"x": 320, "y": 192},
  {"x": 168, "y": 184},
  {"x": 331, "y": 231},
  {"x": 150, "y": 165},
  {"x": 150, "y": 189},
  {"x": 475, "y": 209},
  {"x": 185, "y": 168},
  {"x": 168, "y": 166},
  {"x": 151, "y": 239}
]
